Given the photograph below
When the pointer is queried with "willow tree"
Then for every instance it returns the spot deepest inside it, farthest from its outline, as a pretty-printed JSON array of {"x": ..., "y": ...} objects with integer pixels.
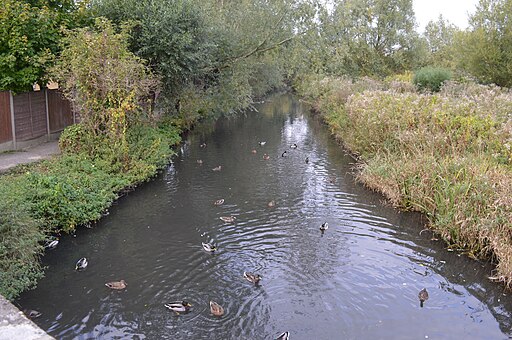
[
  {"x": 371, "y": 37},
  {"x": 486, "y": 48}
]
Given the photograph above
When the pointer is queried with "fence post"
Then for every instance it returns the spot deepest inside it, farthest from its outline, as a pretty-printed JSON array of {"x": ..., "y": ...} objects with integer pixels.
[
  {"x": 13, "y": 123},
  {"x": 47, "y": 113}
]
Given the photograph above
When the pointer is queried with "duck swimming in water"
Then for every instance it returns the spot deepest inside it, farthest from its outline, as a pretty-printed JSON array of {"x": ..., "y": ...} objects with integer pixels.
[
  {"x": 266, "y": 157},
  {"x": 423, "y": 296},
  {"x": 306, "y": 160},
  {"x": 271, "y": 204},
  {"x": 51, "y": 244},
  {"x": 284, "y": 154},
  {"x": 209, "y": 247},
  {"x": 219, "y": 202},
  {"x": 252, "y": 278},
  {"x": 179, "y": 306},
  {"x": 284, "y": 336},
  {"x": 262, "y": 143},
  {"x": 324, "y": 226},
  {"x": 216, "y": 309},
  {"x": 81, "y": 264},
  {"x": 117, "y": 285},
  {"x": 217, "y": 168},
  {"x": 228, "y": 219},
  {"x": 294, "y": 146}
]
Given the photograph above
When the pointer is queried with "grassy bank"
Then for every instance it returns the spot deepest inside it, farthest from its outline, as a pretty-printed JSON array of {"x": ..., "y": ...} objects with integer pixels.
[
  {"x": 447, "y": 155},
  {"x": 41, "y": 200}
]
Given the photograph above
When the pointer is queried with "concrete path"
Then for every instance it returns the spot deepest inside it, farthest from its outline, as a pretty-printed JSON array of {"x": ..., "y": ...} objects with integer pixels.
[
  {"x": 14, "y": 325},
  {"x": 33, "y": 154}
]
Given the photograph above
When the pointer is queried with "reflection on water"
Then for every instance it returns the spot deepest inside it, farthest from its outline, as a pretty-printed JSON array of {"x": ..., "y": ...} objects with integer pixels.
[{"x": 358, "y": 280}]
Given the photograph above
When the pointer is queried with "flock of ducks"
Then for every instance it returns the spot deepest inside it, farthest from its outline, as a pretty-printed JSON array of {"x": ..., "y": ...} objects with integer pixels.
[{"x": 215, "y": 308}]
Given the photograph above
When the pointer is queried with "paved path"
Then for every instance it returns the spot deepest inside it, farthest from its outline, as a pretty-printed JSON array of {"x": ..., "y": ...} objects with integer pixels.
[
  {"x": 29, "y": 155},
  {"x": 14, "y": 325}
]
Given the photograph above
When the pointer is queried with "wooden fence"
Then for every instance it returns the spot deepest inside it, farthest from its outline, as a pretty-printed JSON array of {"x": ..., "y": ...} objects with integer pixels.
[{"x": 29, "y": 117}]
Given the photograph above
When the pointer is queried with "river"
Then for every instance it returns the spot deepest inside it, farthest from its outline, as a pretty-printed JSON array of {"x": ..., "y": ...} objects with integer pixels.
[{"x": 358, "y": 280}]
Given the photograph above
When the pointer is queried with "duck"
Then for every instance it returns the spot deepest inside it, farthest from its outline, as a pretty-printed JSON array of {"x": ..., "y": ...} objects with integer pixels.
[
  {"x": 262, "y": 143},
  {"x": 266, "y": 157},
  {"x": 219, "y": 202},
  {"x": 117, "y": 285},
  {"x": 209, "y": 247},
  {"x": 252, "y": 278},
  {"x": 423, "y": 296},
  {"x": 324, "y": 226},
  {"x": 51, "y": 244},
  {"x": 294, "y": 146},
  {"x": 217, "y": 168},
  {"x": 81, "y": 264},
  {"x": 216, "y": 309},
  {"x": 271, "y": 204},
  {"x": 306, "y": 160},
  {"x": 32, "y": 314},
  {"x": 178, "y": 306},
  {"x": 284, "y": 336},
  {"x": 202, "y": 145},
  {"x": 228, "y": 219},
  {"x": 284, "y": 154},
  {"x": 200, "y": 161},
  {"x": 254, "y": 151}
]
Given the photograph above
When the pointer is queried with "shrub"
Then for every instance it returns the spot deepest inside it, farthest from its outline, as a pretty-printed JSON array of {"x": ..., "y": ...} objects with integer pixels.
[{"x": 431, "y": 79}]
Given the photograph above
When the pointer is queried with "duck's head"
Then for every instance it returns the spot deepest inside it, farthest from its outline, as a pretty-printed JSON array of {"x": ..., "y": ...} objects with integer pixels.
[{"x": 186, "y": 303}]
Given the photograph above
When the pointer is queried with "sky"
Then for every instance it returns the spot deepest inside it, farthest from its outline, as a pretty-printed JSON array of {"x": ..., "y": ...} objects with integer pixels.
[{"x": 455, "y": 11}]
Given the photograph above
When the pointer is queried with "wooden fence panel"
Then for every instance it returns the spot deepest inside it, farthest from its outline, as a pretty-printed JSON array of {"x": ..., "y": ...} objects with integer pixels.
[
  {"x": 30, "y": 115},
  {"x": 59, "y": 111},
  {"x": 5, "y": 117}
]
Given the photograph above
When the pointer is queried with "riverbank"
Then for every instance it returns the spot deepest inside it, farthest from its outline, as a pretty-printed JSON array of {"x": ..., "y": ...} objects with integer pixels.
[
  {"x": 15, "y": 325},
  {"x": 446, "y": 155},
  {"x": 42, "y": 200}
]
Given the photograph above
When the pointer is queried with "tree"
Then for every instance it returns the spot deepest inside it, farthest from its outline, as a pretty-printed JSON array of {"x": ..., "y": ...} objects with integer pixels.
[
  {"x": 106, "y": 83},
  {"x": 440, "y": 36},
  {"x": 486, "y": 49},
  {"x": 29, "y": 39},
  {"x": 371, "y": 37}
]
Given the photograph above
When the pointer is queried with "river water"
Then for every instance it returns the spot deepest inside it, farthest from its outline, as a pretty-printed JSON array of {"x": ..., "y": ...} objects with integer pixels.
[{"x": 358, "y": 280}]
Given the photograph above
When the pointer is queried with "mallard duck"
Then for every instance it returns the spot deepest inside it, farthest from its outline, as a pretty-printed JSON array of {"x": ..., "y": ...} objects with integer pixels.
[
  {"x": 202, "y": 145},
  {"x": 294, "y": 146},
  {"x": 252, "y": 278},
  {"x": 216, "y": 309},
  {"x": 217, "y": 168},
  {"x": 271, "y": 204},
  {"x": 266, "y": 157},
  {"x": 284, "y": 336},
  {"x": 284, "y": 154},
  {"x": 254, "y": 151},
  {"x": 209, "y": 247},
  {"x": 324, "y": 226},
  {"x": 32, "y": 314},
  {"x": 118, "y": 285},
  {"x": 228, "y": 219},
  {"x": 200, "y": 161},
  {"x": 219, "y": 202},
  {"x": 262, "y": 143},
  {"x": 179, "y": 306},
  {"x": 51, "y": 244},
  {"x": 423, "y": 296},
  {"x": 81, "y": 264},
  {"x": 306, "y": 160}
]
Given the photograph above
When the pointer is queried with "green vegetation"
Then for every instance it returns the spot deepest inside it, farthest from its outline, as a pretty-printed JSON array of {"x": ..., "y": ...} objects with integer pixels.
[
  {"x": 446, "y": 155},
  {"x": 431, "y": 79}
]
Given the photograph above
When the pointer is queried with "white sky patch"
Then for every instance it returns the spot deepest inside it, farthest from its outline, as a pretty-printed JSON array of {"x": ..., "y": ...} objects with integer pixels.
[{"x": 455, "y": 11}]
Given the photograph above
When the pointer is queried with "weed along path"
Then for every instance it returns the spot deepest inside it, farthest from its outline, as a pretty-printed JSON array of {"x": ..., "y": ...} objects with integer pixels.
[{"x": 234, "y": 201}]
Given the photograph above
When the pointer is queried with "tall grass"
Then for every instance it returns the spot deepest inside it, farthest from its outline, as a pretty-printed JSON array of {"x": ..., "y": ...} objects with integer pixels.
[{"x": 447, "y": 155}]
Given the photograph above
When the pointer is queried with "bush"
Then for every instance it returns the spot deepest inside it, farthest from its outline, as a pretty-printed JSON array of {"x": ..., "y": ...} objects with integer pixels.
[{"x": 431, "y": 79}]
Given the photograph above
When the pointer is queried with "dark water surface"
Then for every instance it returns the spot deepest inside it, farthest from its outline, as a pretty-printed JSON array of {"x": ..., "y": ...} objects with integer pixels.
[{"x": 359, "y": 280}]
